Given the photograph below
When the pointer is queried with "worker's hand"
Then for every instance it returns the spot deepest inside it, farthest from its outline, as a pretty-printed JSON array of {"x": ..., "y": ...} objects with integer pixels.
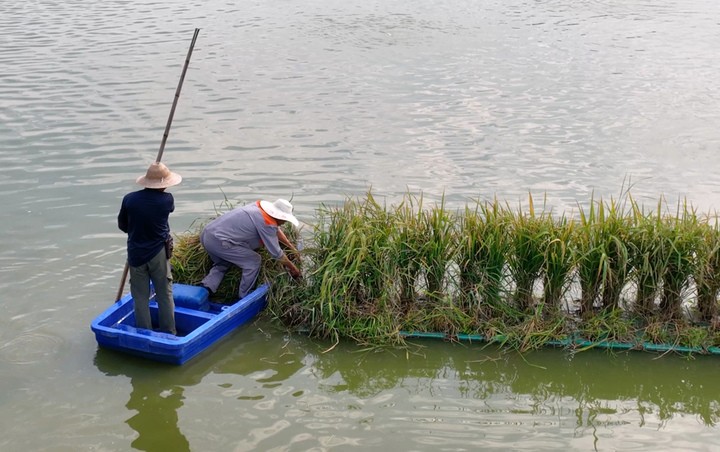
[
  {"x": 295, "y": 273},
  {"x": 294, "y": 257}
]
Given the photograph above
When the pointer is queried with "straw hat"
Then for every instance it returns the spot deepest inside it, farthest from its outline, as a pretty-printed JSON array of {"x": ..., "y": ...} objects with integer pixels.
[
  {"x": 280, "y": 210},
  {"x": 159, "y": 176}
]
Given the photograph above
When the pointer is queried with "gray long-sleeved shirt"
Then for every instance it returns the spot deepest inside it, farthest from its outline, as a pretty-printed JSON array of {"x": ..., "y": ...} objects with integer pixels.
[{"x": 247, "y": 226}]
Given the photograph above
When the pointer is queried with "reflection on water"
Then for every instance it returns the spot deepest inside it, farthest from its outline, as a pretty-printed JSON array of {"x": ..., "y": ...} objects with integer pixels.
[
  {"x": 266, "y": 390},
  {"x": 156, "y": 418},
  {"x": 155, "y": 398},
  {"x": 590, "y": 383},
  {"x": 158, "y": 390}
]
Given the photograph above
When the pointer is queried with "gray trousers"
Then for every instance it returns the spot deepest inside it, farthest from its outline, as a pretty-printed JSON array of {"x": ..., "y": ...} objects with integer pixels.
[
  {"x": 224, "y": 255},
  {"x": 157, "y": 271}
]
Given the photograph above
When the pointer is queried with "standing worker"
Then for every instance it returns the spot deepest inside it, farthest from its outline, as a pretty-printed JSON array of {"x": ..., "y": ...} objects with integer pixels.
[
  {"x": 144, "y": 217},
  {"x": 232, "y": 239}
]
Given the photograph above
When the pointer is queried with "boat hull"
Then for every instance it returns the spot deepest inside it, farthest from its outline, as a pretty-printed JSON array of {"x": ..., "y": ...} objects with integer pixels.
[{"x": 199, "y": 322}]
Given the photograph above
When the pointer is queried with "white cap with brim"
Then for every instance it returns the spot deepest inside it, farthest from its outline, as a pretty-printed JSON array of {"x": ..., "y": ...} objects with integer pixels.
[
  {"x": 280, "y": 210},
  {"x": 159, "y": 176}
]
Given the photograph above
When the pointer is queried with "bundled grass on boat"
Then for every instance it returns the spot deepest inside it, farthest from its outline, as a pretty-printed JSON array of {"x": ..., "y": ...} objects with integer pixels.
[{"x": 614, "y": 273}]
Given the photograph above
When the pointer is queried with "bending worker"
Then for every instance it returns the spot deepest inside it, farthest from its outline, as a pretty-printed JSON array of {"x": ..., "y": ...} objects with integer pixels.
[{"x": 232, "y": 238}]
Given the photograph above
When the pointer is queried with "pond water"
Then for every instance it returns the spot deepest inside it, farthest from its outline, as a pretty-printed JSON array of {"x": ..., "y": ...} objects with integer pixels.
[{"x": 316, "y": 101}]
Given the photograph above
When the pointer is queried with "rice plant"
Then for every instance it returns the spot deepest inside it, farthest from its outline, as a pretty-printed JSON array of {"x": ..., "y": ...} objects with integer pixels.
[
  {"x": 707, "y": 270},
  {"x": 481, "y": 257},
  {"x": 527, "y": 235},
  {"x": 647, "y": 256},
  {"x": 558, "y": 261},
  {"x": 601, "y": 254},
  {"x": 350, "y": 256},
  {"x": 680, "y": 237},
  {"x": 405, "y": 247},
  {"x": 436, "y": 247}
]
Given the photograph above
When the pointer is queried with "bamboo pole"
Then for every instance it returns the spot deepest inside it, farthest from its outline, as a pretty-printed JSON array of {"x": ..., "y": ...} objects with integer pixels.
[{"x": 164, "y": 140}]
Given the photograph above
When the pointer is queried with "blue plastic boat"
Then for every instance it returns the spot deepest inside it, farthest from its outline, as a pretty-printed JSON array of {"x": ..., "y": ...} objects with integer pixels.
[{"x": 199, "y": 322}]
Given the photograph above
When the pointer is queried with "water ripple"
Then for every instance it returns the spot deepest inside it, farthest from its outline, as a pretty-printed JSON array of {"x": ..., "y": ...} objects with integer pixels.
[
  {"x": 31, "y": 347},
  {"x": 316, "y": 101}
]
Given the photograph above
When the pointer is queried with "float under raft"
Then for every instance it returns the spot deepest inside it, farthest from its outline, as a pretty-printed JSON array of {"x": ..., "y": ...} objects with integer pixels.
[{"x": 574, "y": 343}]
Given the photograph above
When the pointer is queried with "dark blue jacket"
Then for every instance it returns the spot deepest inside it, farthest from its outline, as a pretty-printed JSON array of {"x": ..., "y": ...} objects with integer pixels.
[{"x": 144, "y": 217}]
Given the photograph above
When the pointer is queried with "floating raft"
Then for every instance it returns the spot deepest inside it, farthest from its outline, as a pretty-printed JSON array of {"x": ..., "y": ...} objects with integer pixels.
[{"x": 643, "y": 279}]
